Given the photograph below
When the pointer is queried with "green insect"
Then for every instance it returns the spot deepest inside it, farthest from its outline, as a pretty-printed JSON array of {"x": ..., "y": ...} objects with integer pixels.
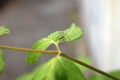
[{"x": 4, "y": 30}]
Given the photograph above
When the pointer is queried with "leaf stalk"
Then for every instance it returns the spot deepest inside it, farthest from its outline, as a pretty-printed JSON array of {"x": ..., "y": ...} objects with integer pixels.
[{"x": 58, "y": 49}]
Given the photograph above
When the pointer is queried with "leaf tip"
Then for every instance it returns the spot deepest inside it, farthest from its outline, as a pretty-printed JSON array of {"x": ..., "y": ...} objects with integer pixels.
[
  {"x": 4, "y": 30},
  {"x": 30, "y": 61}
]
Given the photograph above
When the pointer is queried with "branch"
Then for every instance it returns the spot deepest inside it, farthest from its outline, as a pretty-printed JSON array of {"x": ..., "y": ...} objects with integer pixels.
[
  {"x": 90, "y": 67},
  {"x": 28, "y": 49},
  {"x": 62, "y": 54}
]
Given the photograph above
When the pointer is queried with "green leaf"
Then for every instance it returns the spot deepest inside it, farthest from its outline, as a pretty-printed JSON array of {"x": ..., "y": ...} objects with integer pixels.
[
  {"x": 59, "y": 68},
  {"x": 73, "y": 33},
  {"x": 4, "y": 30},
  {"x": 70, "y": 34},
  {"x": 86, "y": 60},
  {"x": 116, "y": 73},
  {"x": 39, "y": 45},
  {"x": 2, "y": 63},
  {"x": 27, "y": 76},
  {"x": 56, "y": 37},
  {"x": 98, "y": 76}
]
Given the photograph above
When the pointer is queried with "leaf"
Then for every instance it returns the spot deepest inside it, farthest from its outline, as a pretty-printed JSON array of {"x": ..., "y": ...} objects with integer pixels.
[
  {"x": 86, "y": 60},
  {"x": 70, "y": 34},
  {"x": 2, "y": 63},
  {"x": 101, "y": 77},
  {"x": 73, "y": 33},
  {"x": 56, "y": 37},
  {"x": 116, "y": 73},
  {"x": 39, "y": 45},
  {"x": 27, "y": 76},
  {"x": 4, "y": 30},
  {"x": 59, "y": 68}
]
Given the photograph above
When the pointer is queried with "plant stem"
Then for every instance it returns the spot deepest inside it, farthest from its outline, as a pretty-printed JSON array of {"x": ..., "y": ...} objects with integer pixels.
[
  {"x": 28, "y": 49},
  {"x": 58, "y": 49},
  {"x": 90, "y": 67},
  {"x": 62, "y": 54}
]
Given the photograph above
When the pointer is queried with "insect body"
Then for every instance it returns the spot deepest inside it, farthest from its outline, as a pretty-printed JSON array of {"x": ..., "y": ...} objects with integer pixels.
[{"x": 62, "y": 37}]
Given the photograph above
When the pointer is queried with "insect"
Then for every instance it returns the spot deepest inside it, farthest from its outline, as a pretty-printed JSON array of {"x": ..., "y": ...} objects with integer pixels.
[{"x": 62, "y": 37}]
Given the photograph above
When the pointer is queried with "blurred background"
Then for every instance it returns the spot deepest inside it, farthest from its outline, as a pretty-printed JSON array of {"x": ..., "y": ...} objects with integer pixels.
[{"x": 30, "y": 20}]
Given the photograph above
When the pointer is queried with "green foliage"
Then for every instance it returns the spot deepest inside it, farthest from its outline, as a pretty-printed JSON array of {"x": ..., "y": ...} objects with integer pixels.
[
  {"x": 58, "y": 68},
  {"x": 2, "y": 63},
  {"x": 34, "y": 56},
  {"x": 4, "y": 30},
  {"x": 73, "y": 33},
  {"x": 101, "y": 77},
  {"x": 116, "y": 73},
  {"x": 86, "y": 60},
  {"x": 27, "y": 76},
  {"x": 70, "y": 34}
]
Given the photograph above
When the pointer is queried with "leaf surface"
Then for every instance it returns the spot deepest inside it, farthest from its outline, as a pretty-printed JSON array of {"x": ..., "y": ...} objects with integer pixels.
[
  {"x": 2, "y": 63},
  {"x": 86, "y": 60},
  {"x": 39, "y": 45},
  {"x": 98, "y": 76},
  {"x": 70, "y": 34},
  {"x": 59, "y": 68},
  {"x": 27, "y": 76},
  {"x": 4, "y": 30}
]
